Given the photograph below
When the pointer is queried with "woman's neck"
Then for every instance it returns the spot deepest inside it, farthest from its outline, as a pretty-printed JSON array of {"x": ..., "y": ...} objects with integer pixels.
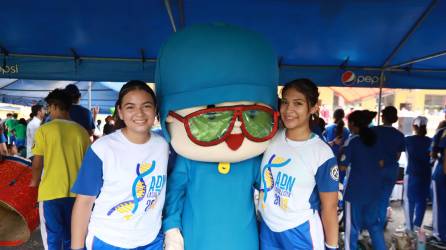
[
  {"x": 137, "y": 138},
  {"x": 298, "y": 134}
]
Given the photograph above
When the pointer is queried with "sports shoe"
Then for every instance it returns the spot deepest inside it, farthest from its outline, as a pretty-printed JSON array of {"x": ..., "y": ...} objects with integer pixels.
[{"x": 433, "y": 241}]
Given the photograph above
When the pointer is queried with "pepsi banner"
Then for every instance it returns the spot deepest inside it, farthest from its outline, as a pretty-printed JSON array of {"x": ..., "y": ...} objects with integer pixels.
[
  {"x": 352, "y": 79},
  {"x": 82, "y": 70},
  {"x": 9, "y": 69}
]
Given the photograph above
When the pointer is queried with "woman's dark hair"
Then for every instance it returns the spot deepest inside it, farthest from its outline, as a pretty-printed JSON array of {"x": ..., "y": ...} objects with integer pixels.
[
  {"x": 306, "y": 87},
  {"x": 309, "y": 89},
  {"x": 420, "y": 130},
  {"x": 60, "y": 99},
  {"x": 126, "y": 88},
  {"x": 321, "y": 122},
  {"x": 441, "y": 125},
  {"x": 22, "y": 121},
  {"x": 338, "y": 116},
  {"x": 361, "y": 119}
]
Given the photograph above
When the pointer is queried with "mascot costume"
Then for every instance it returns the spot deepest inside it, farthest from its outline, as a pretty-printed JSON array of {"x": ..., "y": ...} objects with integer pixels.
[{"x": 217, "y": 86}]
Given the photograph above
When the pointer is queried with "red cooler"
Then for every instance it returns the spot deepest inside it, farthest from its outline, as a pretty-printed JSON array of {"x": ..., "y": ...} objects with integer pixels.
[{"x": 19, "y": 212}]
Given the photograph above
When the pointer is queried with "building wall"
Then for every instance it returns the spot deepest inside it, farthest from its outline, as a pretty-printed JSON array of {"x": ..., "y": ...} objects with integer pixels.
[{"x": 326, "y": 95}]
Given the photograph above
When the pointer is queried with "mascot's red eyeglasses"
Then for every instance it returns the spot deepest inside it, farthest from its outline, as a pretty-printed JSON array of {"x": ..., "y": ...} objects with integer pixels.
[{"x": 211, "y": 126}]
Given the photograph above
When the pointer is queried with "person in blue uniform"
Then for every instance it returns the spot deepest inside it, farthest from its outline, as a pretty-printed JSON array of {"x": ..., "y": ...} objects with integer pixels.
[
  {"x": 418, "y": 174},
  {"x": 362, "y": 154},
  {"x": 439, "y": 188},
  {"x": 217, "y": 87},
  {"x": 336, "y": 134},
  {"x": 393, "y": 145}
]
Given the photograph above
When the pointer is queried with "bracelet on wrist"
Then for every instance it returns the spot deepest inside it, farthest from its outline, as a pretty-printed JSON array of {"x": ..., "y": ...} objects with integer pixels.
[{"x": 330, "y": 247}]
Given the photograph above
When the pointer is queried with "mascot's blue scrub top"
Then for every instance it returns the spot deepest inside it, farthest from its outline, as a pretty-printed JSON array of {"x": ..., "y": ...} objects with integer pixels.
[{"x": 217, "y": 209}]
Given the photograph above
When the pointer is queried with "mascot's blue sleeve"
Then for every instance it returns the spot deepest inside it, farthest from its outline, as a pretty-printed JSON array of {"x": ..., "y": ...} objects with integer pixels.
[
  {"x": 257, "y": 162},
  {"x": 176, "y": 186}
]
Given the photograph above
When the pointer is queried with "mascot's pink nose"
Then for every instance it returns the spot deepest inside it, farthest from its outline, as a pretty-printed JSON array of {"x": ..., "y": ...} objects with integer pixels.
[{"x": 234, "y": 141}]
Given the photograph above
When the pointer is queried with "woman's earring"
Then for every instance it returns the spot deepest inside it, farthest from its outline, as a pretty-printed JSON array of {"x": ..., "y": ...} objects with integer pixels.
[{"x": 313, "y": 117}]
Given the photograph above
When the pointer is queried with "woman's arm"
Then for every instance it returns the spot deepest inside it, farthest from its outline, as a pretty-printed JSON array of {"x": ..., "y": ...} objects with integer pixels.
[
  {"x": 80, "y": 219},
  {"x": 329, "y": 216}
]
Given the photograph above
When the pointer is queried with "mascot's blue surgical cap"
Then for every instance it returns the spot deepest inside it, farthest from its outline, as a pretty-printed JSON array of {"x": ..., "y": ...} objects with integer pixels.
[{"x": 210, "y": 64}]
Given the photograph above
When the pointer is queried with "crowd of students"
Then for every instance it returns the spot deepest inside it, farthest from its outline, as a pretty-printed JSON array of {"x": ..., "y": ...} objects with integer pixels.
[
  {"x": 370, "y": 155},
  {"x": 17, "y": 135},
  {"x": 81, "y": 185}
]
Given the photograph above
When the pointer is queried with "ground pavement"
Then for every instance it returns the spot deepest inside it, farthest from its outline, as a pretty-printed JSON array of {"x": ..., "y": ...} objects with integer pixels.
[{"x": 35, "y": 243}]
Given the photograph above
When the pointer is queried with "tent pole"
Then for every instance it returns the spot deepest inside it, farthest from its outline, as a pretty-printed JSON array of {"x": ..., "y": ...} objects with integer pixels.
[
  {"x": 417, "y": 60},
  {"x": 9, "y": 84},
  {"x": 90, "y": 83},
  {"x": 107, "y": 59},
  {"x": 381, "y": 84},
  {"x": 169, "y": 12},
  {"x": 410, "y": 32}
]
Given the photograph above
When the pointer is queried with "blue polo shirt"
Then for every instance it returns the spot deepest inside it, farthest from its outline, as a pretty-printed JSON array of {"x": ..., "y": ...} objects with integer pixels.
[
  {"x": 393, "y": 143},
  {"x": 418, "y": 149},
  {"x": 82, "y": 116},
  {"x": 439, "y": 144},
  {"x": 364, "y": 172}
]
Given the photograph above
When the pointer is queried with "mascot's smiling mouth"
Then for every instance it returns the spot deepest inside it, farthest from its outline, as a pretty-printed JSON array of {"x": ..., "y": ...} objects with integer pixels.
[{"x": 234, "y": 141}]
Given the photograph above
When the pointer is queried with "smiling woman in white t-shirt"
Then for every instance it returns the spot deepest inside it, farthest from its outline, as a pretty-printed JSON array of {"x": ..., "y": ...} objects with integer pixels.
[
  {"x": 123, "y": 175},
  {"x": 299, "y": 179}
]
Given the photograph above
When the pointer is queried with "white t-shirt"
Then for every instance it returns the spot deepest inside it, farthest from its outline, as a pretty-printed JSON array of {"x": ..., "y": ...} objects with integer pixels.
[
  {"x": 30, "y": 131},
  {"x": 292, "y": 175},
  {"x": 130, "y": 182}
]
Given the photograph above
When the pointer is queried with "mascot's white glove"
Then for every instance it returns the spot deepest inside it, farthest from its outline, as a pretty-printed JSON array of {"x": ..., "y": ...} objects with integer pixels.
[{"x": 173, "y": 240}]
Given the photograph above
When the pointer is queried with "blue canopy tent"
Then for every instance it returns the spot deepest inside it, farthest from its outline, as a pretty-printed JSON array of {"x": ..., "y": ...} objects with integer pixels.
[
  {"x": 378, "y": 43},
  {"x": 29, "y": 92}
]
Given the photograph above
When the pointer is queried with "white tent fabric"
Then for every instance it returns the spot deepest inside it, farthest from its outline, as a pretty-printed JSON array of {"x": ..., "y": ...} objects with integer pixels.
[{"x": 29, "y": 92}]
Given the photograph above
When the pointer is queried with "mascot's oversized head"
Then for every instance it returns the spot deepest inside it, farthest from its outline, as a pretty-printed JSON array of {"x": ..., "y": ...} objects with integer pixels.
[{"x": 217, "y": 87}]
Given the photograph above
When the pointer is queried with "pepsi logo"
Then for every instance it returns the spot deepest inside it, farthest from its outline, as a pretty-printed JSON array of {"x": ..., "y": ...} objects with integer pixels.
[{"x": 348, "y": 77}]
